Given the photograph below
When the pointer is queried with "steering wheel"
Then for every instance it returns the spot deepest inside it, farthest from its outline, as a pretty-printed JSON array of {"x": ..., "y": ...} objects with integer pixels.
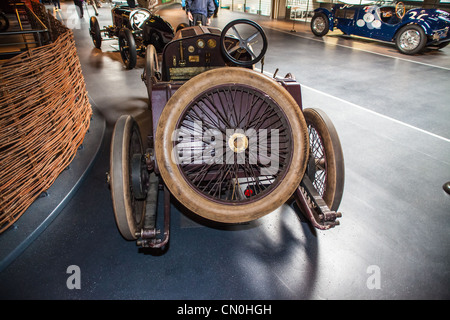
[
  {"x": 138, "y": 18},
  {"x": 400, "y": 10},
  {"x": 243, "y": 42}
]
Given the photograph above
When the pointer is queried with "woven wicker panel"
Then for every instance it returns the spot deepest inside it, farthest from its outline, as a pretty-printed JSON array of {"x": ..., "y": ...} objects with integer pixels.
[
  {"x": 54, "y": 26},
  {"x": 44, "y": 116}
]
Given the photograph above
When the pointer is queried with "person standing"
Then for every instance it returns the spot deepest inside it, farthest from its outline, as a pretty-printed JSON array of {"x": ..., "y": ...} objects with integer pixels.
[
  {"x": 79, "y": 4},
  {"x": 57, "y": 5},
  {"x": 200, "y": 11},
  {"x": 216, "y": 3}
]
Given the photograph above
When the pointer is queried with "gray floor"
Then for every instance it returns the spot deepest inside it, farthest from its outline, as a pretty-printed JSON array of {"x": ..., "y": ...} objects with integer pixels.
[{"x": 391, "y": 112}]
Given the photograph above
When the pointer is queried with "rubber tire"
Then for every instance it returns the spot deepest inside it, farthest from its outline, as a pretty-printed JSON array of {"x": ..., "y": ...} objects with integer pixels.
[
  {"x": 129, "y": 218},
  {"x": 334, "y": 186},
  {"x": 422, "y": 41},
  {"x": 156, "y": 40},
  {"x": 176, "y": 182},
  {"x": 326, "y": 21},
  {"x": 94, "y": 30},
  {"x": 126, "y": 37}
]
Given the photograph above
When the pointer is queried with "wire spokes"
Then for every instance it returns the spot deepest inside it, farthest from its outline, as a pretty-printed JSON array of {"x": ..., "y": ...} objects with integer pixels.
[
  {"x": 233, "y": 144},
  {"x": 318, "y": 152}
]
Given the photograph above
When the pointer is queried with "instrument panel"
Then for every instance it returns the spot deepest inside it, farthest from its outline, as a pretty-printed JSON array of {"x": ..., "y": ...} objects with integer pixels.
[{"x": 193, "y": 51}]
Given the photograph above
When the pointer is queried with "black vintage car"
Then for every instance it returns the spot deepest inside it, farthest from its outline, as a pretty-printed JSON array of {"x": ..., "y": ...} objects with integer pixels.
[{"x": 135, "y": 30}]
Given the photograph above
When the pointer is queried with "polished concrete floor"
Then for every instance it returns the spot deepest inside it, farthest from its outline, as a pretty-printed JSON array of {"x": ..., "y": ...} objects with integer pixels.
[{"x": 391, "y": 112}]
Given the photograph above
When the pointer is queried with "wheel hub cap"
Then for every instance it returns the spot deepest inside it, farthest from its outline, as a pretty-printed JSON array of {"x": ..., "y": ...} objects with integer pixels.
[
  {"x": 410, "y": 39},
  {"x": 319, "y": 24},
  {"x": 238, "y": 142}
]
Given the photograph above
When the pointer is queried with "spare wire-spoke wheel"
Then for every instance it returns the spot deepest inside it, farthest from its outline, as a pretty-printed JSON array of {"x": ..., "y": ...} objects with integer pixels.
[
  {"x": 128, "y": 177},
  {"x": 232, "y": 145}
]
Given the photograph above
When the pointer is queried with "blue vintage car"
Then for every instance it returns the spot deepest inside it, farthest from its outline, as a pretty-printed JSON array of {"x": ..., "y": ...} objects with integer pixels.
[{"x": 411, "y": 31}]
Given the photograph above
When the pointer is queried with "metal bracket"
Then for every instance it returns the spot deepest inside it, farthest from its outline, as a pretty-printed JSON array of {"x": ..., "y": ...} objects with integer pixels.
[
  {"x": 147, "y": 237},
  {"x": 314, "y": 207}
]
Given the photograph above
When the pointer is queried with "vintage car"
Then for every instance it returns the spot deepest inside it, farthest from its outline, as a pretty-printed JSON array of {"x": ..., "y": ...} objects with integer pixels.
[
  {"x": 411, "y": 31},
  {"x": 228, "y": 142},
  {"x": 135, "y": 29}
]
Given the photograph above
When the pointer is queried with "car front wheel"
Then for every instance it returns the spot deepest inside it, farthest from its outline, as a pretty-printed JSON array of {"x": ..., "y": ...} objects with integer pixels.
[
  {"x": 411, "y": 39},
  {"x": 127, "y": 47},
  {"x": 128, "y": 201},
  {"x": 320, "y": 24},
  {"x": 95, "y": 32}
]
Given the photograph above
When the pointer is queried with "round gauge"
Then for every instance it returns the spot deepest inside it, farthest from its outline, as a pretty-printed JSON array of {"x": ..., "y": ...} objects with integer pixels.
[
  {"x": 376, "y": 24},
  {"x": 201, "y": 43},
  {"x": 212, "y": 43},
  {"x": 191, "y": 49},
  {"x": 368, "y": 17}
]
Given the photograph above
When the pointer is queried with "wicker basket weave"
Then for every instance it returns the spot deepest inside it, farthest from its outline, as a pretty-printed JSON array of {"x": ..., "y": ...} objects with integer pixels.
[{"x": 44, "y": 116}]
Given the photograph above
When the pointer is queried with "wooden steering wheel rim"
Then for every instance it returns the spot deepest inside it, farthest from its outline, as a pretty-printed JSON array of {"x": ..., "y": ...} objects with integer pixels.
[{"x": 398, "y": 9}]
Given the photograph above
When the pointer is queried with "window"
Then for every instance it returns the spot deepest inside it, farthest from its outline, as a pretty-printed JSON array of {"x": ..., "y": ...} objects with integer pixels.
[{"x": 262, "y": 7}]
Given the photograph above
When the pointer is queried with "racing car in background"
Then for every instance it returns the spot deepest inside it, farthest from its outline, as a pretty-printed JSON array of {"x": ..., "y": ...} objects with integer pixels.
[
  {"x": 135, "y": 29},
  {"x": 411, "y": 31}
]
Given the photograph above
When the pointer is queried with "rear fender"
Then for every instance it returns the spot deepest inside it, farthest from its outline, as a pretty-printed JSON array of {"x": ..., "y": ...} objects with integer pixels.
[{"x": 423, "y": 24}]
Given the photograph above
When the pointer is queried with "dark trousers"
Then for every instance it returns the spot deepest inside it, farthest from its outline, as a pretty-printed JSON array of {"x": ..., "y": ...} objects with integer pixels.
[
  {"x": 198, "y": 17},
  {"x": 79, "y": 4}
]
